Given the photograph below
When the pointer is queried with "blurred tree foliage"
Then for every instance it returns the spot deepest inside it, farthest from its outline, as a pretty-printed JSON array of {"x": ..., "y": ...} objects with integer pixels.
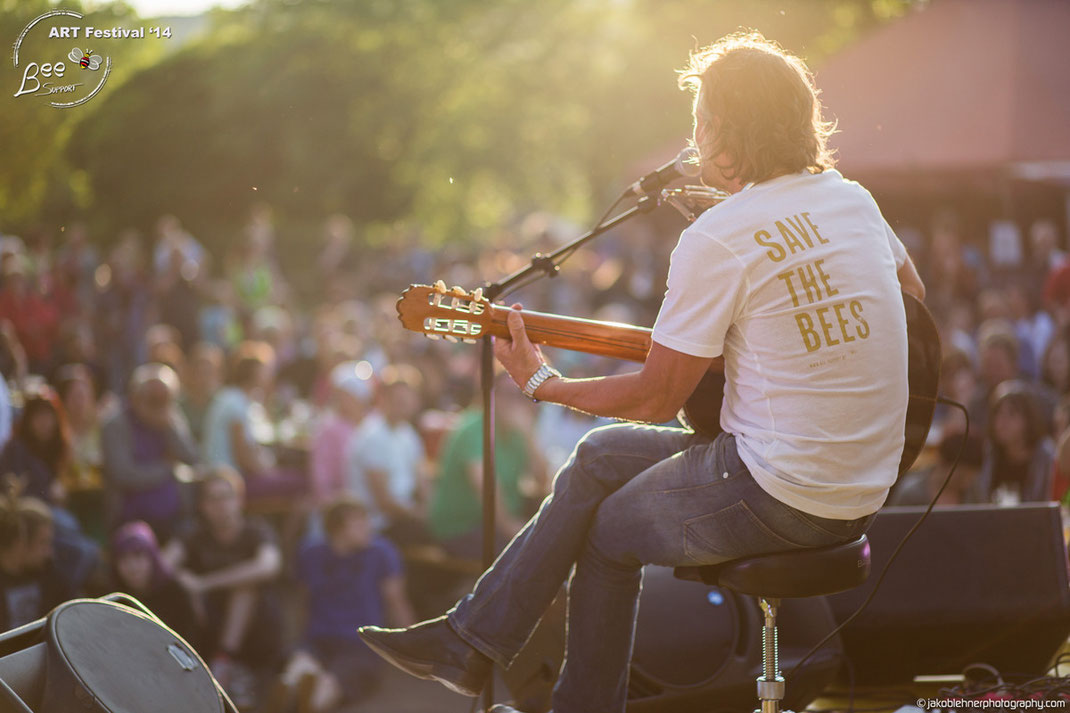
[
  {"x": 454, "y": 117},
  {"x": 36, "y": 182}
]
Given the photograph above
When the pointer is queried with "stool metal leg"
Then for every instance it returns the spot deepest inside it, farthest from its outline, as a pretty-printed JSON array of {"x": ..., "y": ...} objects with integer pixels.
[{"x": 770, "y": 683}]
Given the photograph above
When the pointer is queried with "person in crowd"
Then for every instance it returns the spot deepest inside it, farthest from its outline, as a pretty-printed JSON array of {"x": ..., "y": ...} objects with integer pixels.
[
  {"x": 921, "y": 487},
  {"x": 236, "y": 423},
  {"x": 172, "y": 238},
  {"x": 138, "y": 569},
  {"x": 238, "y": 431},
  {"x": 218, "y": 321},
  {"x": 145, "y": 446},
  {"x": 228, "y": 563},
  {"x": 12, "y": 375},
  {"x": 997, "y": 362},
  {"x": 34, "y": 317},
  {"x": 956, "y": 268},
  {"x": 76, "y": 262},
  {"x": 253, "y": 276},
  {"x": 76, "y": 345},
  {"x": 1055, "y": 363},
  {"x": 385, "y": 459},
  {"x": 1046, "y": 254},
  {"x": 39, "y": 451},
  {"x": 454, "y": 517},
  {"x": 83, "y": 480},
  {"x": 351, "y": 397},
  {"x": 1033, "y": 326},
  {"x": 39, "y": 454},
  {"x": 1019, "y": 455},
  {"x": 1061, "y": 468},
  {"x": 30, "y": 583},
  {"x": 351, "y": 579},
  {"x": 178, "y": 296},
  {"x": 200, "y": 383},
  {"x": 123, "y": 306}
]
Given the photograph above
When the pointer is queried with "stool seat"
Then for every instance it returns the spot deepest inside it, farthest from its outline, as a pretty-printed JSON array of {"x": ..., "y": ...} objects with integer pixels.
[{"x": 807, "y": 572}]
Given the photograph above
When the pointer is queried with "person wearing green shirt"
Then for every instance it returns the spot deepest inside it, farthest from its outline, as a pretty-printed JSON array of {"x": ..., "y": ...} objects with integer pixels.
[{"x": 455, "y": 513}]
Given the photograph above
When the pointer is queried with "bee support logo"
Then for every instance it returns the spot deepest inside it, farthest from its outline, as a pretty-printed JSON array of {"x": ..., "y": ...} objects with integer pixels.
[{"x": 66, "y": 84}]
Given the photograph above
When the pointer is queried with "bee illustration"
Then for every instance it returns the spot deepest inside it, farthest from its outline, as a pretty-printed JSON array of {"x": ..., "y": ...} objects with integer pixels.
[{"x": 86, "y": 60}]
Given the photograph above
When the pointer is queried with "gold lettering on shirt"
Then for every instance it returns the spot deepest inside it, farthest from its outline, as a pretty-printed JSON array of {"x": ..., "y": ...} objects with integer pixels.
[
  {"x": 790, "y": 238},
  {"x": 829, "y": 289},
  {"x": 797, "y": 223},
  {"x": 856, "y": 310},
  {"x": 809, "y": 335},
  {"x": 806, "y": 217},
  {"x": 820, "y": 323},
  {"x": 776, "y": 253}
]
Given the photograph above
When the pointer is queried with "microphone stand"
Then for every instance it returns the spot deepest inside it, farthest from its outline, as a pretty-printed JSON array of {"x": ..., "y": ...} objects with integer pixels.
[{"x": 541, "y": 266}]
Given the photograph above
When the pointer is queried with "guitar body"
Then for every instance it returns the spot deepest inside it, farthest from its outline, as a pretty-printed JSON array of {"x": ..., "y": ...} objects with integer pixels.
[
  {"x": 702, "y": 412},
  {"x": 458, "y": 315}
]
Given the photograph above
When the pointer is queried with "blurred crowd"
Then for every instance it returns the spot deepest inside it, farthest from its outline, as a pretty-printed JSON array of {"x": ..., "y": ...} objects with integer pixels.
[
  {"x": 267, "y": 460},
  {"x": 1002, "y": 304}
]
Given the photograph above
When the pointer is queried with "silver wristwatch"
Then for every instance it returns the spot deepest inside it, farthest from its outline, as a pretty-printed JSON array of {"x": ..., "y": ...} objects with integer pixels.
[{"x": 543, "y": 373}]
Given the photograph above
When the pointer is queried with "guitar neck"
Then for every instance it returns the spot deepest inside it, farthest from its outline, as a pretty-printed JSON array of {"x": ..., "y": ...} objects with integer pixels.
[{"x": 608, "y": 339}]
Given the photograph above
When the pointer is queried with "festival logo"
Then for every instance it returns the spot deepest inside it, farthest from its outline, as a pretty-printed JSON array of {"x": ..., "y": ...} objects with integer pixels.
[
  {"x": 49, "y": 68},
  {"x": 64, "y": 84}
]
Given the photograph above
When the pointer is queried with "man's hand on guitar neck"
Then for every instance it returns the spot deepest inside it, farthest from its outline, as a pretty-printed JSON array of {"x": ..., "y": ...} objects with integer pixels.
[{"x": 517, "y": 354}]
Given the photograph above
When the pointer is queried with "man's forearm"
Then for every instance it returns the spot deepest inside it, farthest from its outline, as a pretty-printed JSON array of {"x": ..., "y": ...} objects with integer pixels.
[{"x": 620, "y": 396}]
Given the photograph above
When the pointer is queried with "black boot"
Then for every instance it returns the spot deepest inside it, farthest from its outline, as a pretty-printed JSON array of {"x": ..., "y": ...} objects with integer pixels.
[{"x": 431, "y": 649}]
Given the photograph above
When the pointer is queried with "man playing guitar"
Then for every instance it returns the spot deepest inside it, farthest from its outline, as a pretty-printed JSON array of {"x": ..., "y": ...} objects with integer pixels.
[{"x": 795, "y": 280}]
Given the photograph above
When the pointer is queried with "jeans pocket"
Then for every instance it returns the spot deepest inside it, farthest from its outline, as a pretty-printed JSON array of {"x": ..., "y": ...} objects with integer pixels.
[{"x": 729, "y": 533}]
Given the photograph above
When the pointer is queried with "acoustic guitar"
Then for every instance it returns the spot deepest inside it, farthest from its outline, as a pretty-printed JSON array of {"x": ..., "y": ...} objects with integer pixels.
[{"x": 459, "y": 315}]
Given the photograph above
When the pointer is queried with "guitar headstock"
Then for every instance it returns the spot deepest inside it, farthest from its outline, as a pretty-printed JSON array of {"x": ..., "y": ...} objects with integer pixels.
[{"x": 437, "y": 311}]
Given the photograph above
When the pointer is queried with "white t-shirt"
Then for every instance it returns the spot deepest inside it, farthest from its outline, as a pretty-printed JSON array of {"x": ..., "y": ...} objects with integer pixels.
[
  {"x": 232, "y": 404},
  {"x": 397, "y": 452},
  {"x": 794, "y": 281}
]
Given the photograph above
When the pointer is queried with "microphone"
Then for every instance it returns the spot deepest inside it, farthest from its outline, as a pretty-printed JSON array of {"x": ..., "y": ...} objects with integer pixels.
[{"x": 684, "y": 165}]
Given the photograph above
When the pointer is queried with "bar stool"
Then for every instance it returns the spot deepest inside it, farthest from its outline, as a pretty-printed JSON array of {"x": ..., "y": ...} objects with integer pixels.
[{"x": 781, "y": 575}]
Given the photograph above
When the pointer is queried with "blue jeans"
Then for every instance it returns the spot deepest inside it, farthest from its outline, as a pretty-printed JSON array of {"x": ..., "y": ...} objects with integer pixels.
[{"x": 629, "y": 495}]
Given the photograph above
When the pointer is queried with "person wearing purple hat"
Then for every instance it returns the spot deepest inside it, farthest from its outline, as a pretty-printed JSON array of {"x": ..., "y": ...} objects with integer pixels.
[{"x": 138, "y": 570}]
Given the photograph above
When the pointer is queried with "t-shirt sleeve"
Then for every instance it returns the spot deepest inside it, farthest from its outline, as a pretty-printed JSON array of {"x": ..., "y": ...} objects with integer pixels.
[
  {"x": 899, "y": 252},
  {"x": 704, "y": 296}
]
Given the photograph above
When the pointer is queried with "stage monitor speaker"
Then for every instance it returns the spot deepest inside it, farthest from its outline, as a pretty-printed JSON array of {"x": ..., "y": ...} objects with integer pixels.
[
  {"x": 697, "y": 650},
  {"x": 974, "y": 584},
  {"x": 100, "y": 656}
]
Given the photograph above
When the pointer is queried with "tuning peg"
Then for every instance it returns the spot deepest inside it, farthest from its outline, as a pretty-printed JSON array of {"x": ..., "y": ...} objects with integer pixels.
[
  {"x": 469, "y": 341},
  {"x": 432, "y": 336},
  {"x": 450, "y": 338},
  {"x": 458, "y": 291},
  {"x": 477, "y": 294},
  {"x": 440, "y": 286}
]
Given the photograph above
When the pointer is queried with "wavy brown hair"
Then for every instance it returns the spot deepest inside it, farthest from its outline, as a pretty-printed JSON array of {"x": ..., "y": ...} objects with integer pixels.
[{"x": 763, "y": 105}]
